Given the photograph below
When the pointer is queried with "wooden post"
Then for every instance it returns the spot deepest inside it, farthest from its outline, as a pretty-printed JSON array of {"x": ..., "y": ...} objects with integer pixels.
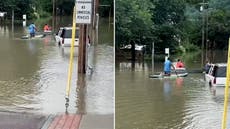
[
  {"x": 82, "y": 50},
  {"x": 153, "y": 58},
  {"x": 13, "y": 22},
  {"x": 133, "y": 53},
  {"x": 97, "y": 24},
  {"x": 54, "y": 16},
  {"x": 94, "y": 24},
  {"x": 109, "y": 16},
  {"x": 81, "y": 90}
]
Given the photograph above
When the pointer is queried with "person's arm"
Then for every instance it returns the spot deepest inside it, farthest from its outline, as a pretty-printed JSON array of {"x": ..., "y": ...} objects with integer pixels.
[{"x": 173, "y": 66}]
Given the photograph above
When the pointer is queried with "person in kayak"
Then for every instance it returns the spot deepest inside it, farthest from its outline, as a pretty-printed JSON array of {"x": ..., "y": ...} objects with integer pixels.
[
  {"x": 167, "y": 67},
  {"x": 179, "y": 64},
  {"x": 32, "y": 30}
]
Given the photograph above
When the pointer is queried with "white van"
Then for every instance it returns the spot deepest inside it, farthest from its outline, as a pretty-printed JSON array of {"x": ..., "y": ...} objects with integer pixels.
[
  {"x": 64, "y": 37},
  {"x": 216, "y": 75}
]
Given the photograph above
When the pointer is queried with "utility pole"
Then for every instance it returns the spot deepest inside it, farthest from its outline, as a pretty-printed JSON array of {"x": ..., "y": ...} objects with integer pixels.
[
  {"x": 204, "y": 41},
  {"x": 153, "y": 58},
  {"x": 95, "y": 20},
  {"x": 83, "y": 19},
  {"x": 82, "y": 50},
  {"x": 54, "y": 14},
  {"x": 12, "y": 7},
  {"x": 207, "y": 40}
]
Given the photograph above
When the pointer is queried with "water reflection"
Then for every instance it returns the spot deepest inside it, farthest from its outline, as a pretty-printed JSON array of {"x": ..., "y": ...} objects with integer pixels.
[
  {"x": 167, "y": 90},
  {"x": 133, "y": 66},
  {"x": 179, "y": 82},
  {"x": 143, "y": 102},
  {"x": 34, "y": 75},
  {"x": 65, "y": 51}
]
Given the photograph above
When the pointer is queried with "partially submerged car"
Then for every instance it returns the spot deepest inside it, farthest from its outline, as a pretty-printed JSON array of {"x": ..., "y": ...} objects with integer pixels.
[
  {"x": 64, "y": 37},
  {"x": 216, "y": 74}
]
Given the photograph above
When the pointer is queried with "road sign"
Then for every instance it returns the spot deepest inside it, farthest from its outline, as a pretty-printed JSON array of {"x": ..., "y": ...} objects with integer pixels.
[
  {"x": 84, "y": 11},
  {"x": 166, "y": 50},
  {"x": 24, "y": 16}
]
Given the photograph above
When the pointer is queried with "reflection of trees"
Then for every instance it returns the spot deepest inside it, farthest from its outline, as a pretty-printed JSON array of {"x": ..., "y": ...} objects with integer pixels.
[{"x": 134, "y": 66}]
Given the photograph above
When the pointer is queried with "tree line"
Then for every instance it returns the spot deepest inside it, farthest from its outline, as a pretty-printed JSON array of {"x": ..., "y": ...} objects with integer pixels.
[{"x": 173, "y": 23}]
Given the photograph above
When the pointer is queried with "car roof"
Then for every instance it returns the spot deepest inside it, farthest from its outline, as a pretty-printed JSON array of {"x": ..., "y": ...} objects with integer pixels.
[
  {"x": 220, "y": 64},
  {"x": 68, "y": 28}
]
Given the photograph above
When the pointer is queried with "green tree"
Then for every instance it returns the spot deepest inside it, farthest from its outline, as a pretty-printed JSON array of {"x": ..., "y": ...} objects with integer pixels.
[
  {"x": 219, "y": 23},
  {"x": 168, "y": 17},
  {"x": 216, "y": 14},
  {"x": 133, "y": 21}
]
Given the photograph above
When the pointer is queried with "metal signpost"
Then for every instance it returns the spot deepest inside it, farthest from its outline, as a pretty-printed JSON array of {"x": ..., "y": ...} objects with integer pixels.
[
  {"x": 83, "y": 17},
  {"x": 24, "y": 20},
  {"x": 166, "y": 52}
]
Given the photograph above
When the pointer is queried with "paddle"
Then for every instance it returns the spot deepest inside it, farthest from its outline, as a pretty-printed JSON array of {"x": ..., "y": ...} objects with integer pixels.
[{"x": 175, "y": 71}]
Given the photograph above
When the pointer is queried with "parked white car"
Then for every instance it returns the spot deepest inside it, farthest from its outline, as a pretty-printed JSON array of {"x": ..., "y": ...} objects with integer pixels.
[
  {"x": 216, "y": 74},
  {"x": 64, "y": 37}
]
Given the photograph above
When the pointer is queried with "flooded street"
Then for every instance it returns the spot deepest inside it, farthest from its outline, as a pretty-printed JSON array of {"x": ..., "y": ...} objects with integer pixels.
[
  {"x": 179, "y": 103},
  {"x": 34, "y": 75}
]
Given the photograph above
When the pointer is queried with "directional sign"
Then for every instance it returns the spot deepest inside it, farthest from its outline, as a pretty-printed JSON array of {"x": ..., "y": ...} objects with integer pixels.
[{"x": 84, "y": 11}]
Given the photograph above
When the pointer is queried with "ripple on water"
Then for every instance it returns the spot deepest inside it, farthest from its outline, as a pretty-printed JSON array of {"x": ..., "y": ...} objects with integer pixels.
[{"x": 152, "y": 103}]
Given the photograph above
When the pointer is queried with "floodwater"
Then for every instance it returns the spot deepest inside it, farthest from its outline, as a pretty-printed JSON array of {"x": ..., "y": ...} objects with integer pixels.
[
  {"x": 34, "y": 74},
  {"x": 181, "y": 103}
]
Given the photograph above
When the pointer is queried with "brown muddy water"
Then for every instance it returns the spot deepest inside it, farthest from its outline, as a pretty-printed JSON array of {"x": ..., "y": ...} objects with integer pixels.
[
  {"x": 34, "y": 73},
  {"x": 179, "y": 103}
]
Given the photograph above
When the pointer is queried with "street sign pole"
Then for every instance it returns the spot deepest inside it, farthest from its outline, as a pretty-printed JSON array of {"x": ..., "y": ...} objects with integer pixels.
[{"x": 83, "y": 17}]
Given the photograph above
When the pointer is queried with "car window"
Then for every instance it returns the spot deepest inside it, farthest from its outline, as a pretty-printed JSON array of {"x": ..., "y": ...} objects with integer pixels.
[
  {"x": 220, "y": 72},
  {"x": 68, "y": 33}
]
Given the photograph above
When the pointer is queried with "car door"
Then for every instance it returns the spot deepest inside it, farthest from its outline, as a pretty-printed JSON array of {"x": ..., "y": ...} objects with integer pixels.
[
  {"x": 209, "y": 75},
  {"x": 58, "y": 36}
]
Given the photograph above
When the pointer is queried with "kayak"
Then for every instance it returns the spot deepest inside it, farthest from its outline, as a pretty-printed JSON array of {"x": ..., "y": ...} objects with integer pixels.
[
  {"x": 181, "y": 72},
  {"x": 47, "y": 32},
  {"x": 168, "y": 76},
  {"x": 35, "y": 37}
]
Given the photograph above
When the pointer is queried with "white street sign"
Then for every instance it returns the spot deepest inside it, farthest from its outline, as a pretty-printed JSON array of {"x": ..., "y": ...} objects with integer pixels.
[
  {"x": 166, "y": 50},
  {"x": 84, "y": 11},
  {"x": 24, "y": 16}
]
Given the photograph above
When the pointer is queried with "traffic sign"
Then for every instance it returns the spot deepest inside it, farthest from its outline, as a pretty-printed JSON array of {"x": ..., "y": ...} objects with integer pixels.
[{"x": 84, "y": 11}]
